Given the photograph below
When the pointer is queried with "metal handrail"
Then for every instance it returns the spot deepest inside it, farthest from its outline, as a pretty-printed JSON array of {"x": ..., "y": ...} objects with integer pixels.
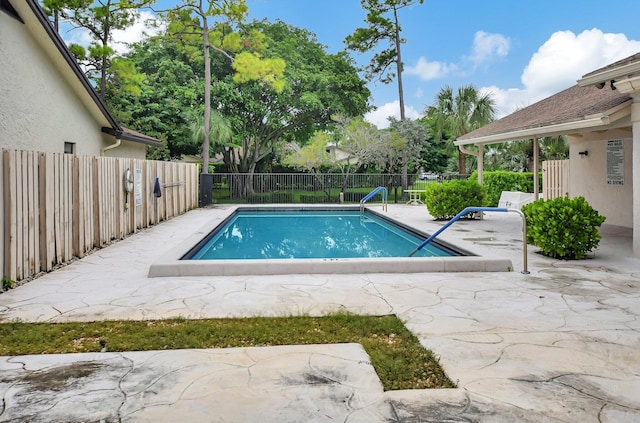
[
  {"x": 369, "y": 196},
  {"x": 482, "y": 209}
]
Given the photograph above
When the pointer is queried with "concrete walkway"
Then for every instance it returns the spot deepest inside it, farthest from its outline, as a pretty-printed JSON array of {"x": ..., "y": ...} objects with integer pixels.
[{"x": 560, "y": 344}]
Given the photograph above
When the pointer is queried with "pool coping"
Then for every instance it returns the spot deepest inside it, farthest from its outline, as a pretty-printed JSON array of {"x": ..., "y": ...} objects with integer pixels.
[{"x": 170, "y": 264}]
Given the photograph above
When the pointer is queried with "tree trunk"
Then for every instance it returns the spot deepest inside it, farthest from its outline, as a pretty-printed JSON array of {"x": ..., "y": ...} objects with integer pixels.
[
  {"x": 462, "y": 163},
  {"x": 399, "y": 64},
  {"x": 104, "y": 62}
]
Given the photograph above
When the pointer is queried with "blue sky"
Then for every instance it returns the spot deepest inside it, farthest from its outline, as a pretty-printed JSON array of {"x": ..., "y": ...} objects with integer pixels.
[{"x": 519, "y": 51}]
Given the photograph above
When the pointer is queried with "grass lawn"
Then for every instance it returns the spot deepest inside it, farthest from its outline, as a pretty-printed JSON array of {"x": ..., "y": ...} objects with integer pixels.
[{"x": 396, "y": 354}]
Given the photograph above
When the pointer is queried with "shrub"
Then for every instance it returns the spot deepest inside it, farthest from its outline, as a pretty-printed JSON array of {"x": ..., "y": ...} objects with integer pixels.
[
  {"x": 563, "y": 228},
  {"x": 8, "y": 283},
  {"x": 257, "y": 198},
  {"x": 355, "y": 197},
  {"x": 496, "y": 182},
  {"x": 311, "y": 199},
  {"x": 446, "y": 200},
  {"x": 281, "y": 197}
]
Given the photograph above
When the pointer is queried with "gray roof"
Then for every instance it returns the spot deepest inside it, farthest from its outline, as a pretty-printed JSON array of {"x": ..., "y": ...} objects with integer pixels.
[
  {"x": 619, "y": 63},
  {"x": 578, "y": 107}
]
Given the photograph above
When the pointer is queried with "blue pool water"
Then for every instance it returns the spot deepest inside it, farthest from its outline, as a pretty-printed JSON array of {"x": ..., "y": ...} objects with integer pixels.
[{"x": 322, "y": 234}]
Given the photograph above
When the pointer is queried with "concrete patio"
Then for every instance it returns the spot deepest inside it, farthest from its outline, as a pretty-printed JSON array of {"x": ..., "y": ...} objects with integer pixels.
[{"x": 560, "y": 344}]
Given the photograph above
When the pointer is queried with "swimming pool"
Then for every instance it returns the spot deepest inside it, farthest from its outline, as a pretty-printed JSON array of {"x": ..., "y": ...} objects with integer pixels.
[
  {"x": 172, "y": 262},
  {"x": 311, "y": 233}
]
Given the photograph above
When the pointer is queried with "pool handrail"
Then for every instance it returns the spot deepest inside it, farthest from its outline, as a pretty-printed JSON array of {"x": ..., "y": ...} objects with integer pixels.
[
  {"x": 383, "y": 194},
  {"x": 468, "y": 210}
]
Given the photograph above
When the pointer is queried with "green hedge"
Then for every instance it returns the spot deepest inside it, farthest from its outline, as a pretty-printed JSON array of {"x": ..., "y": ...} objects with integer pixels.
[
  {"x": 446, "y": 200},
  {"x": 496, "y": 182},
  {"x": 259, "y": 198},
  {"x": 269, "y": 197},
  {"x": 281, "y": 197},
  {"x": 312, "y": 199},
  {"x": 355, "y": 197},
  {"x": 563, "y": 228}
]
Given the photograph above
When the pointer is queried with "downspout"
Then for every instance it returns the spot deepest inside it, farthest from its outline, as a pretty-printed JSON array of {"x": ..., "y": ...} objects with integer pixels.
[
  {"x": 479, "y": 155},
  {"x": 109, "y": 147}
]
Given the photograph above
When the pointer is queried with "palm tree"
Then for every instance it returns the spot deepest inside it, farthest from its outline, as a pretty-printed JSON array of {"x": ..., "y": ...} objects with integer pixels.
[
  {"x": 220, "y": 134},
  {"x": 554, "y": 148},
  {"x": 460, "y": 114}
]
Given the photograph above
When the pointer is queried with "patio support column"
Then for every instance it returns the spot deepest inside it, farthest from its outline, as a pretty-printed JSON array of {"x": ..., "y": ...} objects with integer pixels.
[
  {"x": 635, "y": 121},
  {"x": 480, "y": 163},
  {"x": 536, "y": 169}
]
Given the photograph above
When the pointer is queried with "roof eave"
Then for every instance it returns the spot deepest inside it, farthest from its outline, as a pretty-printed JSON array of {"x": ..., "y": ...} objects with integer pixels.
[
  {"x": 610, "y": 74},
  {"x": 128, "y": 136},
  {"x": 541, "y": 131}
]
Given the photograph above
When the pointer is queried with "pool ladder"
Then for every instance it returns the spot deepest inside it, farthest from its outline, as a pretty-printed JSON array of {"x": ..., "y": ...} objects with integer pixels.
[{"x": 383, "y": 194}]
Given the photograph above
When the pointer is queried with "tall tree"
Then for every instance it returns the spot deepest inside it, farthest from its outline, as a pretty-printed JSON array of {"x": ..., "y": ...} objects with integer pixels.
[
  {"x": 360, "y": 144},
  {"x": 99, "y": 18},
  {"x": 383, "y": 24},
  {"x": 318, "y": 86},
  {"x": 55, "y": 9},
  {"x": 313, "y": 157},
  {"x": 228, "y": 43},
  {"x": 434, "y": 155},
  {"x": 461, "y": 113},
  {"x": 170, "y": 94},
  {"x": 362, "y": 141},
  {"x": 415, "y": 137},
  {"x": 219, "y": 130}
]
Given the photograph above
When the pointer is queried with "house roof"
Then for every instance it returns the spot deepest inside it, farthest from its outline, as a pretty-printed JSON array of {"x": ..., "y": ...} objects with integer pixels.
[
  {"x": 72, "y": 71},
  {"x": 582, "y": 107},
  {"x": 621, "y": 68}
]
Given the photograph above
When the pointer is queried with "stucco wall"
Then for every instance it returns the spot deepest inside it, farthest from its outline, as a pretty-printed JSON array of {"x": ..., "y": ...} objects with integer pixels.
[
  {"x": 588, "y": 177},
  {"x": 127, "y": 149},
  {"x": 39, "y": 109}
]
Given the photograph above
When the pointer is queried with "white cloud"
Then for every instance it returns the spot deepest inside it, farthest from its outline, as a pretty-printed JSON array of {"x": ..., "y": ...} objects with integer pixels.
[
  {"x": 380, "y": 116},
  {"x": 509, "y": 100},
  {"x": 141, "y": 28},
  {"x": 486, "y": 46},
  {"x": 560, "y": 62},
  {"x": 79, "y": 36},
  {"x": 565, "y": 57},
  {"x": 430, "y": 70}
]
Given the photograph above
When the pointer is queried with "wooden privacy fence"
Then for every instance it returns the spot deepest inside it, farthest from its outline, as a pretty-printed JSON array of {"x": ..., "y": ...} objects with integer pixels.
[
  {"x": 555, "y": 179},
  {"x": 60, "y": 206}
]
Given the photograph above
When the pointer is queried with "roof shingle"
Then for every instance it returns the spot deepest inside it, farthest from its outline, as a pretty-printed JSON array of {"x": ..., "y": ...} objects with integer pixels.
[{"x": 572, "y": 104}]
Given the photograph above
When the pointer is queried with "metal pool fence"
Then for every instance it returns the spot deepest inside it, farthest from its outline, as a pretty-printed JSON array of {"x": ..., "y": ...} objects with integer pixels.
[{"x": 265, "y": 188}]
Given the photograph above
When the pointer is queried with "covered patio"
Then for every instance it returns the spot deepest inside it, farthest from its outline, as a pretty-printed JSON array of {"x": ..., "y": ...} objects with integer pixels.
[{"x": 600, "y": 116}]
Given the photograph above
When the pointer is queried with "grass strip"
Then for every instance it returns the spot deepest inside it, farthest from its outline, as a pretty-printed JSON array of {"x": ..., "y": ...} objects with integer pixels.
[{"x": 396, "y": 354}]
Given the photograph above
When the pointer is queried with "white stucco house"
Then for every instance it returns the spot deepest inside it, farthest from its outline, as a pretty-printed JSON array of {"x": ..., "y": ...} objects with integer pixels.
[
  {"x": 340, "y": 155},
  {"x": 46, "y": 102},
  {"x": 600, "y": 116}
]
